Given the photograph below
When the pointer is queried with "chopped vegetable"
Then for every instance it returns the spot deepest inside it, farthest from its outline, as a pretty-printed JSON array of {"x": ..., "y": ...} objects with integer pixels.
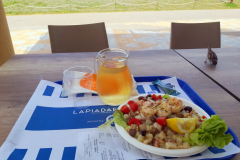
[
  {"x": 154, "y": 97},
  {"x": 166, "y": 96},
  {"x": 159, "y": 97},
  {"x": 202, "y": 118},
  {"x": 211, "y": 132},
  {"x": 134, "y": 121},
  {"x": 133, "y": 105},
  {"x": 119, "y": 119},
  {"x": 161, "y": 121},
  {"x": 106, "y": 124},
  {"x": 125, "y": 109}
]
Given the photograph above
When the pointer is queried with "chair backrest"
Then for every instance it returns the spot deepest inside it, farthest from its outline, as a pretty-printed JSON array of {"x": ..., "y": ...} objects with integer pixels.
[
  {"x": 195, "y": 35},
  {"x": 78, "y": 38},
  {"x": 6, "y": 46}
]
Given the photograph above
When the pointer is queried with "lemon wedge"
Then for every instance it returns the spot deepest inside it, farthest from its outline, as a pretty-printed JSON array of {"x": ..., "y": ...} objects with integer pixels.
[{"x": 182, "y": 125}]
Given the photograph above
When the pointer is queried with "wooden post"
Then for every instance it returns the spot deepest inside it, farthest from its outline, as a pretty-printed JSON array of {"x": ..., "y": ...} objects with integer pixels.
[
  {"x": 70, "y": 7},
  {"x": 115, "y": 6},
  {"x": 6, "y": 46},
  {"x": 157, "y": 5},
  {"x": 18, "y": 8}
]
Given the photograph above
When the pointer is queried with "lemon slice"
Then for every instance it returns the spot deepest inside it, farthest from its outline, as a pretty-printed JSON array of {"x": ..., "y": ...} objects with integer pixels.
[{"x": 182, "y": 125}]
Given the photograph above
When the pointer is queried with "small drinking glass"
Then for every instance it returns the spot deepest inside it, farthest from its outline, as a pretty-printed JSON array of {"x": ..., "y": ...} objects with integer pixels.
[{"x": 78, "y": 81}]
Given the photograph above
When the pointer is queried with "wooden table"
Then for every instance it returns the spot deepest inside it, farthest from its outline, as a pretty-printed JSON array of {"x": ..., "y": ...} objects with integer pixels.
[
  {"x": 20, "y": 75},
  {"x": 227, "y": 72}
]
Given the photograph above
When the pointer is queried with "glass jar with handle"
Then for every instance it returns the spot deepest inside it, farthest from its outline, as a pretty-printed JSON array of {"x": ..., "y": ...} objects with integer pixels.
[{"x": 114, "y": 80}]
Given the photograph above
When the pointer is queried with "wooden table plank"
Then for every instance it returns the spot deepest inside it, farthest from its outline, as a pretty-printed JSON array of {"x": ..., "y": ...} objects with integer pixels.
[
  {"x": 227, "y": 72},
  {"x": 19, "y": 78}
]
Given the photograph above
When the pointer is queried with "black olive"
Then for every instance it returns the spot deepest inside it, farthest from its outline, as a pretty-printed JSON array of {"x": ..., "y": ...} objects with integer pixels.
[
  {"x": 153, "y": 119},
  {"x": 189, "y": 109},
  {"x": 149, "y": 95},
  {"x": 140, "y": 98},
  {"x": 144, "y": 99},
  {"x": 132, "y": 132},
  {"x": 143, "y": 132}
]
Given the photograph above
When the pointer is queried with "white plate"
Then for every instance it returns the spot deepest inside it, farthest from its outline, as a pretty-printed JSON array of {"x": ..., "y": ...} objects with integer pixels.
[{"x": 160, "y": 151}]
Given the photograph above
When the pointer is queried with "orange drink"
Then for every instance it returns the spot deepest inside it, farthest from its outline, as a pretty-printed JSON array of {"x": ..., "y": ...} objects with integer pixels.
[
  {"x": 114, "y": 80},
  {"x": 114, "y": 83}
]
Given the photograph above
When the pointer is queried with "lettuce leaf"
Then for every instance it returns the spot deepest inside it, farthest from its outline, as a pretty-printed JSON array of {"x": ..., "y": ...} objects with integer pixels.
[
  {"x": 211, "y": 132},
  {"x": 106, "y": 124},
  {"x": 166, "y": 96},
  {"x": 119, "y": 119}
]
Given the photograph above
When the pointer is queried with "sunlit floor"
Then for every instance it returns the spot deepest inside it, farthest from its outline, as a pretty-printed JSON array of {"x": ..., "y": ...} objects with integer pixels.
[{"x": 37, "y": 41}]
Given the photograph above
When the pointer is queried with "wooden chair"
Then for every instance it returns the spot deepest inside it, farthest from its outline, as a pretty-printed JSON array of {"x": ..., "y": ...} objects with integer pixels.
[
  {"x": 6, "y": 46},
  {"x": 195, "y": 35},
  {"x": 78, "y": 38}
]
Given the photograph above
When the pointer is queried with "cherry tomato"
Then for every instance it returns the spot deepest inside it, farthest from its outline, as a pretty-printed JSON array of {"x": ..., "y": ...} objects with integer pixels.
[
  {"x": 154, "y": 97},
  {"x": 161, "y": 121},
  {"x": 159, "y": 97},
  {"x": 134, "y": 121},
  {"x": 133, "y": 105},
  {"x": 125, "y": 109},
  {"x": 203, "y": 117}
]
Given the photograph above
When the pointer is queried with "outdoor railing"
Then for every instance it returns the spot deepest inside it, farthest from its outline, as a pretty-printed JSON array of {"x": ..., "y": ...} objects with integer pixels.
[{"x": 113, "y": 6}]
